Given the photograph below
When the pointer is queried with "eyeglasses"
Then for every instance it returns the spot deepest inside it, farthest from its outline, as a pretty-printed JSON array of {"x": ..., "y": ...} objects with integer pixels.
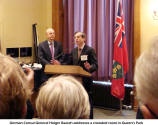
[{"x": 153, "y": 114}]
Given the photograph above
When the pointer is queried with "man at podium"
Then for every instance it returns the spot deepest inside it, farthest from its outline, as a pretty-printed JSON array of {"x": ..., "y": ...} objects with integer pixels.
[{"x": 84, "y": 56}]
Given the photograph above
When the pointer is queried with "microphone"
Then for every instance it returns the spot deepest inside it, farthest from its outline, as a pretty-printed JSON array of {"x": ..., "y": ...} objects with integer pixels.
[{"x": 61, "y": 54}]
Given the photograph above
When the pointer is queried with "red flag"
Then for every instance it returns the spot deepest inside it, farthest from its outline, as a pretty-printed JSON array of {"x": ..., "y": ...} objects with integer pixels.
[{"x": 120, "y": 57}]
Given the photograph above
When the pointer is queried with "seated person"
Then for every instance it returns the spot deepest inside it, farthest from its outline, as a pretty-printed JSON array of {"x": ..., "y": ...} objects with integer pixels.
[
  {"x": 15, "y": 88},
  {"x": 62, "y": 97},
  {"x": 146, "y": 80}
]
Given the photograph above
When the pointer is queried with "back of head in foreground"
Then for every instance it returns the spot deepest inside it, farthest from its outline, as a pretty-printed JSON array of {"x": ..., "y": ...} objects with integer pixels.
[
  {"x": 63, "y": 97},
  {"x": 146, "y": 80},
  {"x": 13, "y": 89}
]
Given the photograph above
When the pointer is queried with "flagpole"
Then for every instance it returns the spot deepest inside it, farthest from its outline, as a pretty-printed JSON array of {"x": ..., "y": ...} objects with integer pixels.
[
  {"x": 120, "y": 58},
  {"x": 120, "y": 106}
]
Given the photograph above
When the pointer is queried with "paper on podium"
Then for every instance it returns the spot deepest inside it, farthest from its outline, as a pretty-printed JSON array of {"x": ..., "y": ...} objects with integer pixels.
[{"x": 66, "y": 69}]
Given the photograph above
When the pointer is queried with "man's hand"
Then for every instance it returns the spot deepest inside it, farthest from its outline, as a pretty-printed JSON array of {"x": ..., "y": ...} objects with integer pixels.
[
  {"x": 87, "y": 65},
  {"x": 55, "y": 62}
]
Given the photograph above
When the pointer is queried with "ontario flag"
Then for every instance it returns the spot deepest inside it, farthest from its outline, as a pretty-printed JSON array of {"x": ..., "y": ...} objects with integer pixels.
[{"x": 120, "y": 57}]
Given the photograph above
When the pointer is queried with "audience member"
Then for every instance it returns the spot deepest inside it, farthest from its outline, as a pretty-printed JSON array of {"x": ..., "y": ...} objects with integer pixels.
[
  {"x": 15, "y": 88},
  {"x": 63, "y": 97},
  {"x": 146, "y": 80}
]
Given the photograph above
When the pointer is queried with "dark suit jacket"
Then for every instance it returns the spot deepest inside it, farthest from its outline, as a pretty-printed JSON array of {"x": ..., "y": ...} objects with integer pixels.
[
  {"x": 91, "y": 58},
  {"x": 44, "y": 53}
]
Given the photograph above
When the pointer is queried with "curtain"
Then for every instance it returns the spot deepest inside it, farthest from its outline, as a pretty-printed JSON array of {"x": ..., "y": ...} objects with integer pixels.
[{"x": 97, "y": 19}]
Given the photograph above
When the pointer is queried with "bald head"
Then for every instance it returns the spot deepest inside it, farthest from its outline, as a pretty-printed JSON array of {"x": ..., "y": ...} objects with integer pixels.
[{"x": 50, "y": 34}]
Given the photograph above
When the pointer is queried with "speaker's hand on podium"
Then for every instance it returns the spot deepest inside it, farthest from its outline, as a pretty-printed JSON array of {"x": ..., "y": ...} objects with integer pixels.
[{"x": 55, "y": 62}]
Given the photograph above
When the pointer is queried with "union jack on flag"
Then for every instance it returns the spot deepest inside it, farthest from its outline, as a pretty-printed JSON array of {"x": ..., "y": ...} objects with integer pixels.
[{"x": 120, "y": 56}]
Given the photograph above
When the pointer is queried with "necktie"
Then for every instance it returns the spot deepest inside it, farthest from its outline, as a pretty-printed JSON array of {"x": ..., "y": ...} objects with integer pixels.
[
  {"x": 79, "y": 52},
  {"x": 51, "y": 49}
]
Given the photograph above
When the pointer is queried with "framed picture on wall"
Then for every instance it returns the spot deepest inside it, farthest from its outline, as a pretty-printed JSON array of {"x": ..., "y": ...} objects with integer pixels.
[{"x": 13, "y": 52}]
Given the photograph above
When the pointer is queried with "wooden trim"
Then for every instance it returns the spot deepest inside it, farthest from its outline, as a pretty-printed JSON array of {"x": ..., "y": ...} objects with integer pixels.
[
  {"x": 137, "y": 36},
  {"x": 58, "y": 19}
]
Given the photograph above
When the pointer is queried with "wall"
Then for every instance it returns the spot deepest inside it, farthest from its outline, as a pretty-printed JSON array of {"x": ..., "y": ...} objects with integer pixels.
[
  {"x": 149, "y": 26},
  {"x": 16, "y": 19}
]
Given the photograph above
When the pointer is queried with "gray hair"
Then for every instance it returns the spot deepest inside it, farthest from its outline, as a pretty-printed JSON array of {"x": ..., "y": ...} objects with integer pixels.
[
  {"x": 146, "y": 73},
  {"x": 63, "y": 97}
]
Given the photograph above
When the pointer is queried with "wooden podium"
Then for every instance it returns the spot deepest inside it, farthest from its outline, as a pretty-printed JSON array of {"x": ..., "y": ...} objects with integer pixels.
[
  {"x": 75, "y": 71},
  {"x": 66, "y": 69}
]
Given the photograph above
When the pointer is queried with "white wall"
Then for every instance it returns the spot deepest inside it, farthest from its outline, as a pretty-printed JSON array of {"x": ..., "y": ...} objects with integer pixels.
[{"x": 149, "y": 26}]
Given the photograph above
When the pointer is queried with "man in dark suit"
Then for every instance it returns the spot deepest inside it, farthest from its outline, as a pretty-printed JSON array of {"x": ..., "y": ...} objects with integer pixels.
[
  {"x": 49, "y": 52},
  {"x": 84, "y": 56}
]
